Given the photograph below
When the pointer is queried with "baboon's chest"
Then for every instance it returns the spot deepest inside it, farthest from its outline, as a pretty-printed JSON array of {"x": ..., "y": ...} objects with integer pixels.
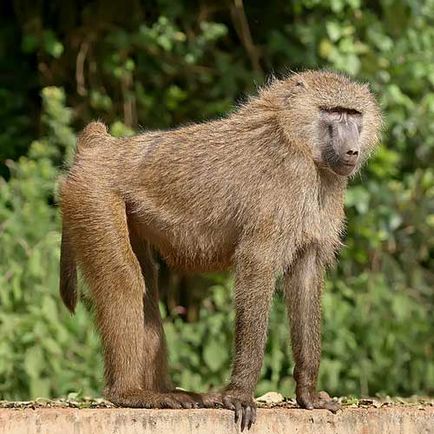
[{"x": 323, "y": 225}]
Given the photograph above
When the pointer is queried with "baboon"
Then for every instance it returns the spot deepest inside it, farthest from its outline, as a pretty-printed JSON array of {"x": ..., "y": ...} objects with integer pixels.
[{"x": 261, "y": 190}]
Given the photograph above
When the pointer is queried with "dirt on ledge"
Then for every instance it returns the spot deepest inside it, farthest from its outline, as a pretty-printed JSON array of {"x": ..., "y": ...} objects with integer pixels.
[{"x": 269, "y": 400}]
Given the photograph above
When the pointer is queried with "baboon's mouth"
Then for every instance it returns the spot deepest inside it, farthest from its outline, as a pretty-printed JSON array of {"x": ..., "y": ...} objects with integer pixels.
[{"x": 344, "y": 169}]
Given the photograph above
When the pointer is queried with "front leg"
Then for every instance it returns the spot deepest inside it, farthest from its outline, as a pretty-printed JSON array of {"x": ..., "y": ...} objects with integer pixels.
[
  {"x": 303, "y": 287},
  {"x": 254, "y": 287}
]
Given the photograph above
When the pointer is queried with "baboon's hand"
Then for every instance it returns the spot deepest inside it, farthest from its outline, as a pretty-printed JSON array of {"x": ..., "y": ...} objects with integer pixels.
[
  {"x": 319, "y": 400},
  {"x": 240, "y": 402}
]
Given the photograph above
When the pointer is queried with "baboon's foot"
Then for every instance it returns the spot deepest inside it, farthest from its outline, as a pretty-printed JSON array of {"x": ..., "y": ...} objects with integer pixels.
[
  {"x": 150, "y": 399},
  {"x": 321, "y": 400},
  {"x": 188, "y": 396},
  {"x": 241, "y": 403}
]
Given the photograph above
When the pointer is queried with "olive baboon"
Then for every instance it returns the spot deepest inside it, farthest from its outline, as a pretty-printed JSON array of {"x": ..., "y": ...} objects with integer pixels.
[{"x": 261, "y": 190}]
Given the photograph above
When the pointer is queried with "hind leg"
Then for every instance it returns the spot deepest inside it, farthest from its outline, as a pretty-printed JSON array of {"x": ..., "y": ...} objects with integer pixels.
[
  {"x": 155, "y": 342},
  {"x": 99, "y": 232}
]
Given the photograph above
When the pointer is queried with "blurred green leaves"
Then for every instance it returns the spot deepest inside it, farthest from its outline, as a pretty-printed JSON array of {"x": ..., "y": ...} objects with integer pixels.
[
  {"x": 43, "y": 350},
  {"x": 46, "y": 42}
]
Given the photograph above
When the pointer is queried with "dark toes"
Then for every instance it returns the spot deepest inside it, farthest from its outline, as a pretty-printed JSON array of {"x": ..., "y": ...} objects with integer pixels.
[
  {"x": 326, "y": 402},
  {"x": 228, "y": 403},
  {"x": 187, "y": 404},
  {"x": 197, "y": 400},
  {"x": 188, "y": 400},
  {"x": 333, "y": 406},
  {"x": 238, "y": 411},
  {"x": 211, "y": 400},
  {"x": 321, "y": 401},
  {"x": 171, "y": 403},
  {"x": 253, "y": 418},
  {"x": 305, "y": 402},
  {"x": 246, "y": 418},
  {"x": 245, "y": 410}
]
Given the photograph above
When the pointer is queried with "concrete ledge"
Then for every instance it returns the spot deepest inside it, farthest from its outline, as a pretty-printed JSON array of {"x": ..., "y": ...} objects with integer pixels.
[{"x": 393, "y": 420}]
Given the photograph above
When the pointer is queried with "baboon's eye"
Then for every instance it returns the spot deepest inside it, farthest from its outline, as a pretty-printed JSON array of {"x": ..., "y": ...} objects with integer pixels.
[{"x": 339, "y": 109}]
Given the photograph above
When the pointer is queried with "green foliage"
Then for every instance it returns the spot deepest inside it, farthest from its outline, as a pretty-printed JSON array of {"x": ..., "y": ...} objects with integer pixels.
[
  {"x": 178, "y": 63},
  {"x": 43, "y": 350}
]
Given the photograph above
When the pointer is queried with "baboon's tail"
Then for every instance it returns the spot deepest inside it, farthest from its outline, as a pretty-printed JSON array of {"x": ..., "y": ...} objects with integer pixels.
[
  {"x": 68, "y": 273},
  {"x": 90, "y": 136}
]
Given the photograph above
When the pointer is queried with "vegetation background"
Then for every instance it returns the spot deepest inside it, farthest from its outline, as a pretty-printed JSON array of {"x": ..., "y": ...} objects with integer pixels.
[{"x": 160, "y": 63}]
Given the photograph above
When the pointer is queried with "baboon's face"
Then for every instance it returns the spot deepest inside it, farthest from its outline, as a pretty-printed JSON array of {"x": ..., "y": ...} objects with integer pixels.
[
  {"x": 339, "y": 139},
  {"x": 338, "y": 119}
]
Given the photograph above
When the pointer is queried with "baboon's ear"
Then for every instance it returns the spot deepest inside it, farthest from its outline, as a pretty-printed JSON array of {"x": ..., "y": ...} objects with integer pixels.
[
  {"x": 297, "y": 86},
  {"x": 300, "y": 84}
]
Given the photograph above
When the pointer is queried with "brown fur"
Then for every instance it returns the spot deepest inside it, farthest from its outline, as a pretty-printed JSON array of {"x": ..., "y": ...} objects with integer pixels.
[{"x": 252, "y": 190}]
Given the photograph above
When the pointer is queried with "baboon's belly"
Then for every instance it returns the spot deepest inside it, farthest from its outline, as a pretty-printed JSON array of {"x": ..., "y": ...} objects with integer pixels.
[{"x": 191, "y": 247}]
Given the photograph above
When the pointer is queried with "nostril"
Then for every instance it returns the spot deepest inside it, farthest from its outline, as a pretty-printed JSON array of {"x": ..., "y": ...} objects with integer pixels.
[{"x": 352, "y": 153}]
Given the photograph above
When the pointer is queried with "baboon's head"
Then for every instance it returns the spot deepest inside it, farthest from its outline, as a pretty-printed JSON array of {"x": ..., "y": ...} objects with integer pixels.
[{"x": 338, "y": 119}]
